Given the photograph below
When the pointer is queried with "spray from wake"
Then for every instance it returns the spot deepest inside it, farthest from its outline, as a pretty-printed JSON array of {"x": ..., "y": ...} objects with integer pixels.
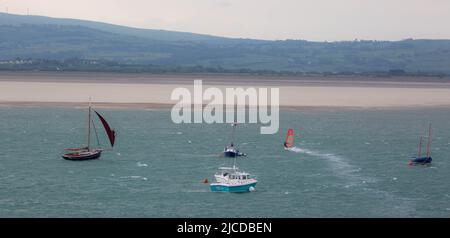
[
  {"x": 339, "y": 164},
  {"x": 139, "y": 164},
  {"x": 134, "y": 177},
  {"x": 341, "y": 167}
]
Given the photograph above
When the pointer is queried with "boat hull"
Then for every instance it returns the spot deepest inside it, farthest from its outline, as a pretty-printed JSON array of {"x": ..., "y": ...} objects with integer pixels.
[
  {"x": 90, "y": 156},
  {"x": 242, "y": 188},
  {"x": 421, "y": 161},
  {"x": 233, "y": 154}
]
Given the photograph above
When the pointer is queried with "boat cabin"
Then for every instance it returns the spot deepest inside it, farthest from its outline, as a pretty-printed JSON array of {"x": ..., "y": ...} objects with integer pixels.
[
  {"x": 234, "y": 175},
  {"x": 239, "y": 177}
]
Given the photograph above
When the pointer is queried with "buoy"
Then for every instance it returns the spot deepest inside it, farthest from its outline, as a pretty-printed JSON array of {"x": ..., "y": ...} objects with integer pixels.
[
  {"x": 251, "y": 189},
  {"x": 205, "y": 180}
]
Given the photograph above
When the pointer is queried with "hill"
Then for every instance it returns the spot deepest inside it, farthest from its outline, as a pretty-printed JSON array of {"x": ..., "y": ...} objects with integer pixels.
[{"x": 44, "y": 38}]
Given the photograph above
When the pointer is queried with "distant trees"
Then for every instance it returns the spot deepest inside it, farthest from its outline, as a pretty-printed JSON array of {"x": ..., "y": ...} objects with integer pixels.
[
  {"x": 99, "y": 65},
  {"x": 397, "y": 72}
]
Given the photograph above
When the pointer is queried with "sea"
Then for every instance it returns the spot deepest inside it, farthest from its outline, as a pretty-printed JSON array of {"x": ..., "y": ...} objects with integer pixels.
[{"x": 346, "y": 163}]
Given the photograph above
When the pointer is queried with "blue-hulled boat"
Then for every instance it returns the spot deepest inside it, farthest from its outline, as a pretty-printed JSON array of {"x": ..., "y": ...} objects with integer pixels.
[
  {"x": 231, "y": 150},
  {"x": 423, "y": 160},
  {"x": 234, "y": 181}
]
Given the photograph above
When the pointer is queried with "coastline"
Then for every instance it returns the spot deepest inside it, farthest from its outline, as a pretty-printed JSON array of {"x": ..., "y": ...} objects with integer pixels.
[
  {"x": 162, "y": 106},
  {"x": 153, "y": 91},
  {"x": 220, "y": 79}
]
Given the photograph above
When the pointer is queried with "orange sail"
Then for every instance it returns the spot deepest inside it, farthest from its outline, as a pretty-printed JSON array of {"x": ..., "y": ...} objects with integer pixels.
[{"x": 289, "y": 142}]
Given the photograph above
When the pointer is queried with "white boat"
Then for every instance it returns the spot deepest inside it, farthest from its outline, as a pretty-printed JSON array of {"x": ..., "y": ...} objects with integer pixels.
[{"x": 233, "y": 180}]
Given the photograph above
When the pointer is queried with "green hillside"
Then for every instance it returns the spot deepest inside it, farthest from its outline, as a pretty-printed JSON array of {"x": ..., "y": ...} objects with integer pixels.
[{"x": 42, "y": 38}]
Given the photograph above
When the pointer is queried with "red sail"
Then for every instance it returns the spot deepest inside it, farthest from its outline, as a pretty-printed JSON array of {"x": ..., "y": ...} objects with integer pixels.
[
  {"x": 110, "y": 132},
  {"x": 289, "y": 142}
]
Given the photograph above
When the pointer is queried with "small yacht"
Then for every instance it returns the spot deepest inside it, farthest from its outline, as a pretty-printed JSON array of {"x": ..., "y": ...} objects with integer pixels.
[
  {"x": 231, "y": 150},
  {"x": 420, "y": 159},
  {"x": 233, "y": 180},
  {"x": 87, "y": 152}
]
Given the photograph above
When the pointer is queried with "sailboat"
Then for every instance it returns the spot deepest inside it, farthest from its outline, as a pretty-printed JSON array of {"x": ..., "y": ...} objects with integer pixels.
[
  {"x": 88, "y": 152},
  {"x": 231, "y": 150},
  {"x": 289, "y": 141},
  {"x": 231, "y": 179},
  {"x": 420, "y": 160}
]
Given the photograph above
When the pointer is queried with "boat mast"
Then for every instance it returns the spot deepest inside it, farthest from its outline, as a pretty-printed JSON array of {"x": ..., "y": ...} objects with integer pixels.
[
  {"x": 420, "y": 148},
  {"x": 429, "y": 142},
  {"x": 96, "y": 134},
  {"x": 89, "y": 128},
  {"x": 234, "y": 124},
  {"x": 232, "y": 133},
  {"x": 234, "y": 162}
]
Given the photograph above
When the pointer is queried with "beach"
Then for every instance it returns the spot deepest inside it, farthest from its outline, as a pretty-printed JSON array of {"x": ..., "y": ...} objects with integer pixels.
[{"x": 154, "y": 91}]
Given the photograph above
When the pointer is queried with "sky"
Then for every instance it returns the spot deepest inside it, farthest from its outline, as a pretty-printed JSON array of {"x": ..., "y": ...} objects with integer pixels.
[{"x": 315, "y": 20}]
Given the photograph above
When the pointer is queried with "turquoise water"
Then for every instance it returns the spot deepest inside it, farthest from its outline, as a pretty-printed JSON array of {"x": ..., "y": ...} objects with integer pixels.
[{"x": 349, "y": 163}]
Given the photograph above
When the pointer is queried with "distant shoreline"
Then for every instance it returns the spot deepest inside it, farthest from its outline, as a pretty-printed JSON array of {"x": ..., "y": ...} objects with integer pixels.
[
  {"x": 217, "y": 78},
  {"x": 167, "y": 107},
  {"x": 373, "y": 76},
  {"x": 154, "y": 91}
]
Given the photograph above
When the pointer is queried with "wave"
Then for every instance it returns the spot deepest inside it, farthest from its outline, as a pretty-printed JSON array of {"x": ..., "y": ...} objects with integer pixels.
[
  {"x": 139, "y": 164},
  {"x": 135, "y": 177}
]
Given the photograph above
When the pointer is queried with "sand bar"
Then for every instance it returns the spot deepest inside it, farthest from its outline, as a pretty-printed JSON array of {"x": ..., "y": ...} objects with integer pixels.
[{"x": 129, "y": 90}]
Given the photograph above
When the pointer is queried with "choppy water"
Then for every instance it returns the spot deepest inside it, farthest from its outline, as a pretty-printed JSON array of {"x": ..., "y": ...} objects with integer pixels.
[{"x": 347, "y": 163}]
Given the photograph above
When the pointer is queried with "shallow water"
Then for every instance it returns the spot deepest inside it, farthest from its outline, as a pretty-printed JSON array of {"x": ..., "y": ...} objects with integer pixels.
[{"x": 347, "y": 163}]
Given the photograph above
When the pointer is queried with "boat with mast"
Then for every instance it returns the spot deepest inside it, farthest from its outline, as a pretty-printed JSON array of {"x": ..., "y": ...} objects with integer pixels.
[
  {"x": 421, "y": 160},
  {"x": 289, "y": 141},
  {"x": 88, "y": 152},
  {"x": 231, "y": 150}
]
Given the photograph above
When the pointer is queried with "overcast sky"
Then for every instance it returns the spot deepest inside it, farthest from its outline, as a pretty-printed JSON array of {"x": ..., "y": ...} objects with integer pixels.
[{"x": 317, "y": 20}]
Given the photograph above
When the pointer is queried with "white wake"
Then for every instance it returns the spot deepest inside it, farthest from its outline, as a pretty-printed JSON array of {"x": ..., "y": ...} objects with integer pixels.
[
  {"x": 341, "y": 167},
  {"x": 339, "y": 164},
  {"x": 139, "y": 164}
]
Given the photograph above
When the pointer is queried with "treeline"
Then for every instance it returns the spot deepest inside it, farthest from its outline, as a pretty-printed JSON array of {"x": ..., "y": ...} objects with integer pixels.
[{"x": 90, "y": 65}]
